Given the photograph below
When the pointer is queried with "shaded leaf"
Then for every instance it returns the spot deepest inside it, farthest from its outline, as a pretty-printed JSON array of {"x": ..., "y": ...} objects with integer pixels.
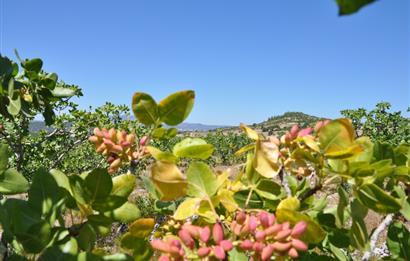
[
  {"x": 169, "y": 180},
  {"x": 145, "y": 108},
  {"x": 12, "y": 182}
]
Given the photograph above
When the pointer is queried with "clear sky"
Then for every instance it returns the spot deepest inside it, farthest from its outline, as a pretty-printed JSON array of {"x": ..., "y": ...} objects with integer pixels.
[{"x": 246, "y": 60}]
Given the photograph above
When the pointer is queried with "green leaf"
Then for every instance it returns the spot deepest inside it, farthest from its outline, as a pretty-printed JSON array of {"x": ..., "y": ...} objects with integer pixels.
[
  {"x": 367, "y": 153},
  {"x": 36, "y": 238},
  {"x": 100, "y": 223},
  {"x": 343, "y": 203},
  {"x": 126, "y": 213},
  {"x": 162, "y": 155},
  {"x": 358, "y": 233},
  {"x": 61, "y": 92},
  {"x": 314, "y": 233},
  {"x": 61, "y": 179},
  {"x": 34, "y": 65},
  {"x": 175, "y": 108},
  {"x": 336, "y": 139},
  {"x": 78, "y": 189},
  {"x": 44, "y": 192},
  {"x": 123, "y": 185},
  {"x": 236, "y": 255},
  {"x": 12, "y": 182},
  {"x": 98, "y": 184},
  {"x": 268, "y": 189},
  {"x": 150, "y": 187},
  {"x": 398, "y": 241},
  {"x": 86, "y": 237},
  {"x": 4, "y": 156},
  {"x": 145, "y": 108},
  {"x": 109, "y": 203},
  {"x": 187, "y": 208},
  {"x": 377, "y": 199},
  {"x": 159, "y": 133},
  {"x": 195, "y": 148},
  {"x": 14, "y": 106},
  {"x": 382, "y": 150},
  {"x": 141, "y": 248},
  {"x": 171, "y": 133},
  {"x": 255, "y": 201},
  {"x": 347, "y": 7},
  {"x": 202, "y": 182},
  {"x": 55, "y": 253}
]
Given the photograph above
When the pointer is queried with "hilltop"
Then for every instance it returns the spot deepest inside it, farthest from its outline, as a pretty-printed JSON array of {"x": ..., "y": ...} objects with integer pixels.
[{"x": 280, "y": 124}]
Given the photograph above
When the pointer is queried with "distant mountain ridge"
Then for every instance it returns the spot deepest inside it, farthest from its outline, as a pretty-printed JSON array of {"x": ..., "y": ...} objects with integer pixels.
[
  {"x": 275, "y": 124},
  {"x": 36, "y": 126}
]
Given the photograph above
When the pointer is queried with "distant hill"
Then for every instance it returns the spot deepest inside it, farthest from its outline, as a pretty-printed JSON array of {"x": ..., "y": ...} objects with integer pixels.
[
  {"x": 276, "y": 124},
  {"x": 36, "y": 126},
  {"x": 282, "y": 123},
  {"x": 198, "y": 127}
]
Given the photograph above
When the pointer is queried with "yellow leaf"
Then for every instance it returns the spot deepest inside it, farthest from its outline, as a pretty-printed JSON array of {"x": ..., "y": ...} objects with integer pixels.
[
  {"x": 252, "y": 134},
  {"x": 289, "y": 203},
  {"x": 311, "y": 143},
  {"x": 169, "y": 180},
  {"x": 142, "y": 227},
  {"x": 265, "y": 161},
  {"x": 187, "y": 208},
  {"x": 225, "y": 197}
]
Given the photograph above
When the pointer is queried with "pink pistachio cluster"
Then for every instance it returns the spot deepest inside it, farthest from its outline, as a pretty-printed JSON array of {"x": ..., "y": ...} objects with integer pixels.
[
  {"x": 118, "y": 146},
  {"x": 205, "y": 242},
  {"x": 296, "y": 132},
  {"x": 263, "y": 237}
]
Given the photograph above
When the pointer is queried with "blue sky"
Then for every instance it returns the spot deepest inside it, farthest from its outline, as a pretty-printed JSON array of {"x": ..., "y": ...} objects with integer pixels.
[{"x": 246, "y": 60}]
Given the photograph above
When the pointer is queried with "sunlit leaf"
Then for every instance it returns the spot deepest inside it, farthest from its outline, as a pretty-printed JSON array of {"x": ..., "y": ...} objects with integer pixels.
[
  {"x": 252, "y": 134},
  {"x": 202, "y": 181},
  {"x": 187, "y": 208},
  {"x": 195, "y": 148},
  {"x": 123, "y": 185},
  {"x": 175, "y": 108},
  {"x": 162, "y": 155}
]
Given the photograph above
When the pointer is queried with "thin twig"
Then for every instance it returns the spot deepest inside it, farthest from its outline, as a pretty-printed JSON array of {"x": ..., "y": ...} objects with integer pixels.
[
  {"x": 375, "y": 236},
  {"x": 310, "y": 192}
]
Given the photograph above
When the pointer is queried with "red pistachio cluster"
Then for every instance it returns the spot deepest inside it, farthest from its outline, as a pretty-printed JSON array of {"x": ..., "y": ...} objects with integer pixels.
[
  {"x": 263, "y": 237},
  {"x": 118, "y": 146},
  {"x": 294, "y": 133},
  {"x": 201, "y": 240}
]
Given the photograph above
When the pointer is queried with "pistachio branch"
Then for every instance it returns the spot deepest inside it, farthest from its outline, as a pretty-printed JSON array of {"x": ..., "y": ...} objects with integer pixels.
[{"x": 375, "y": 236}]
